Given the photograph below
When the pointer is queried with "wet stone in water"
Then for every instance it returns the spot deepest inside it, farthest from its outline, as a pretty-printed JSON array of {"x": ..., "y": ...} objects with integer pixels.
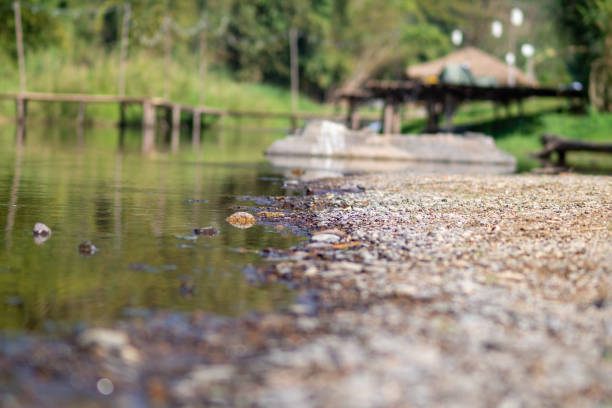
[
  {"x": 87, "y": 248},
  {"x": 41, "y": 233},
  {"x": 41, "y": 229},
  {"x": 326, "y": 238},
  {"x": 206, "y": 231},
  {"x": 241, "y": 220}
]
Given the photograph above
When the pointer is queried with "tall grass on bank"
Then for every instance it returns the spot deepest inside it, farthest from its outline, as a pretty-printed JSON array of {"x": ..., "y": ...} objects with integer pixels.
[{"x": 97, "y": 72}]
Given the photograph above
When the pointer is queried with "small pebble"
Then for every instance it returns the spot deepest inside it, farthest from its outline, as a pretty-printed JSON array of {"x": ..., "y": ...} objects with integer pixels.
[
  {"x": 206, "y": 231},
  {"x": 87, "y": 248},
  {"x": 41, "y": 233},
  {"x": 41, "y": 229}
]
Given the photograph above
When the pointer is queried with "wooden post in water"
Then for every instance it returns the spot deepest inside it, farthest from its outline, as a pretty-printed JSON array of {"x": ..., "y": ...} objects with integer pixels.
[
  {"x": 294, "y": 69},
  {"x": 20, "y": 105},
  {"x": 122, "y": 117},
  {"x": 80, "y": 123},
  {"x": 195, "y": 136},
  {"x": 353, "y": 117},
  {"x": 124, "y": 46},
  {"x": 294, "y": 123},
  {"x": 176, "y": 125},
  {"x": 148, "y": 126},
  {"x": 397, "y": 119},
  {"x": 388, "y": 117}
]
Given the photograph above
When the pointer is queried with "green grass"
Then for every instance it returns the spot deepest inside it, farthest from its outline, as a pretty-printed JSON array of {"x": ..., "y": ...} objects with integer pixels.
[
  {"x": 519, "y": 135},
  {"x": 97, "y": 72}
]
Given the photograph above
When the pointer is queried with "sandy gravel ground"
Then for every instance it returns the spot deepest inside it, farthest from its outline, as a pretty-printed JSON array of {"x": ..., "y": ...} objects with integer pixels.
[{"x": 411, "y": 292}]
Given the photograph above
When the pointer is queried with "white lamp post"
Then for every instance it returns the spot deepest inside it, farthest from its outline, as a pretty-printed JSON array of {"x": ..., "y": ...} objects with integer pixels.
[
  {"x": 516, "y": 17},
  {"x": 497, "y": 28},
  {"x": 511, "y": 60},
  {"x": 457, "y": 37},
  {"x": 528, "y": 51}
]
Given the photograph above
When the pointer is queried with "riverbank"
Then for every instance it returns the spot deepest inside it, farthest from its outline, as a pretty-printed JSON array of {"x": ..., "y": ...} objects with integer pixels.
[{"x": 412, "y": 291}]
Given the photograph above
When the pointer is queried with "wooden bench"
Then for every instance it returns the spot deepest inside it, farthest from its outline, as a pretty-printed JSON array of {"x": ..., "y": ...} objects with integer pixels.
[{"x": 561, "y": 145}]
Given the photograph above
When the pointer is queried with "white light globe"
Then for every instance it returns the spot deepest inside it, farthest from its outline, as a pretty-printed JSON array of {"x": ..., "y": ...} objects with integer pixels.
[
  {"x": 510, "y": 58},
  {"x": 497, "y": 28},
  {"x": 457, "y": 37},
  {"x": 516, "y": 16},
  {"x": 527, "y": 50}
]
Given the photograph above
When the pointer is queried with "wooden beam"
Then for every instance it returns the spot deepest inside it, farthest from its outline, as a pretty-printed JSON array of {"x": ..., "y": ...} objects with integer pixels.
[
  {"x": 352, "y": 119},
  {"x": 176, "y": 126},
  {"x": 62, "y": 97},
  {"x": 20, "y": 105},
  {"x": 195, "y": 136},
  {"x": 148, "y": 126},
  {"x": 388, "y": 118},
  {"x": 81, "y": 123}
]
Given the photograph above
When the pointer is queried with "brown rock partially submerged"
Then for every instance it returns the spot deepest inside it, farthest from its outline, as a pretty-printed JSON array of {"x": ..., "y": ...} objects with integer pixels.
[
  {"x": 206, "y": 231},
  {"x": 241, "y": 220},
  {"x": 87, "y": 248}
]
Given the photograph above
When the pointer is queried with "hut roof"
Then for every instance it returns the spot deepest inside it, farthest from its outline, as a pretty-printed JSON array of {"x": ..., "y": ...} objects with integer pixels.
[{"x": 479, "y": 62}]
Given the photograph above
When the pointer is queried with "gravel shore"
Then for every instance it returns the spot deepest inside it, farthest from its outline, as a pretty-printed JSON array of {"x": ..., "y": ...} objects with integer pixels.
[{"x": 412, "y": 291}]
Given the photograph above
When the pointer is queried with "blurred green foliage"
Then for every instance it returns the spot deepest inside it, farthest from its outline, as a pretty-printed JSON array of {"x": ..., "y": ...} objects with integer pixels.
[
  {"x": 341, "y": 42},
  {"x": 585, "y": 24}
]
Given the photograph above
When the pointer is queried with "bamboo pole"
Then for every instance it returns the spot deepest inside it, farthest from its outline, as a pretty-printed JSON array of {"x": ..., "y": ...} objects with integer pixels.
[
  {"x": 167, "y": 57},
  {"x": 19, "y": 38},
  {"x": 202, "y": 66},
  {"x": 294, "y": 69},
  {"x": 124, "y": 45}
]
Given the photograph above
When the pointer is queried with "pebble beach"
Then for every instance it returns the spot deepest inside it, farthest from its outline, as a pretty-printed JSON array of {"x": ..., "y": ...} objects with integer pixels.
[{"x": 411, "y": 291}]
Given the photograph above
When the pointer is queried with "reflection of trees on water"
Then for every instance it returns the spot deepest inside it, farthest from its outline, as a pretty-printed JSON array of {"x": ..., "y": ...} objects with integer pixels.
[
  {"x": 117, "y": 198},
  {"x": 69, "y": 187},
  {"x": 10, "y": 219}
]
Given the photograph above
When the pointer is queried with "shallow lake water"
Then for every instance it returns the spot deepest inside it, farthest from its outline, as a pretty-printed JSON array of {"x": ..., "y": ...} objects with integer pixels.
[{"x": 136, "y": 209}]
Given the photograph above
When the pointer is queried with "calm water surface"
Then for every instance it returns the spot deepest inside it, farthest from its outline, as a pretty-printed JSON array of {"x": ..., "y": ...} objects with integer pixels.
[{"x": 132, "y": 207}]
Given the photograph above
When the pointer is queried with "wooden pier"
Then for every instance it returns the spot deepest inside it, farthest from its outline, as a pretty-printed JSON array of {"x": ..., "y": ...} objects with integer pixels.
[
  {"x": 441, "y": 99},
  {"x": 151, "y": 107}
]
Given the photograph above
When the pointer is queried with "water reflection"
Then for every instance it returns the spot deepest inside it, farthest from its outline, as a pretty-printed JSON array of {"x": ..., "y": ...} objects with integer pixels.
[
  {"x": 14, "y": 194},
  {"x": 132, "y": 208}
]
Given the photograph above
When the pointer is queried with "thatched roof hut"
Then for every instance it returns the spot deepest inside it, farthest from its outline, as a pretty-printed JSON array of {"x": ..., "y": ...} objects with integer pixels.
[{"x": 479, "y": 62}]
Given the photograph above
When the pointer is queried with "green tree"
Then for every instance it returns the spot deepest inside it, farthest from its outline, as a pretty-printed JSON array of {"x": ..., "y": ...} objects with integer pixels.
[{"x": 587, "y": 25}]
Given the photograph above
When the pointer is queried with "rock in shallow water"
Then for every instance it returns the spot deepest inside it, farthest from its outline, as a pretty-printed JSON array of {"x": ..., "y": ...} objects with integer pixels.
[
  {"x": 109, "y": 343},
  {"x": 206, "y": 231},
  {"x": 41, "y": 229},
  {"x": 41, "y": 233},
  {"x": 241, "y": 220},
  {"x": 87, "y": 248},
  {"x": 326, "y": 238}
]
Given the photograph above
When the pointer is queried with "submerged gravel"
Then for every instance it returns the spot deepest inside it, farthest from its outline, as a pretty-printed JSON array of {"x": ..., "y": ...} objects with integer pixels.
[{"x": 412, "y": 291}]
